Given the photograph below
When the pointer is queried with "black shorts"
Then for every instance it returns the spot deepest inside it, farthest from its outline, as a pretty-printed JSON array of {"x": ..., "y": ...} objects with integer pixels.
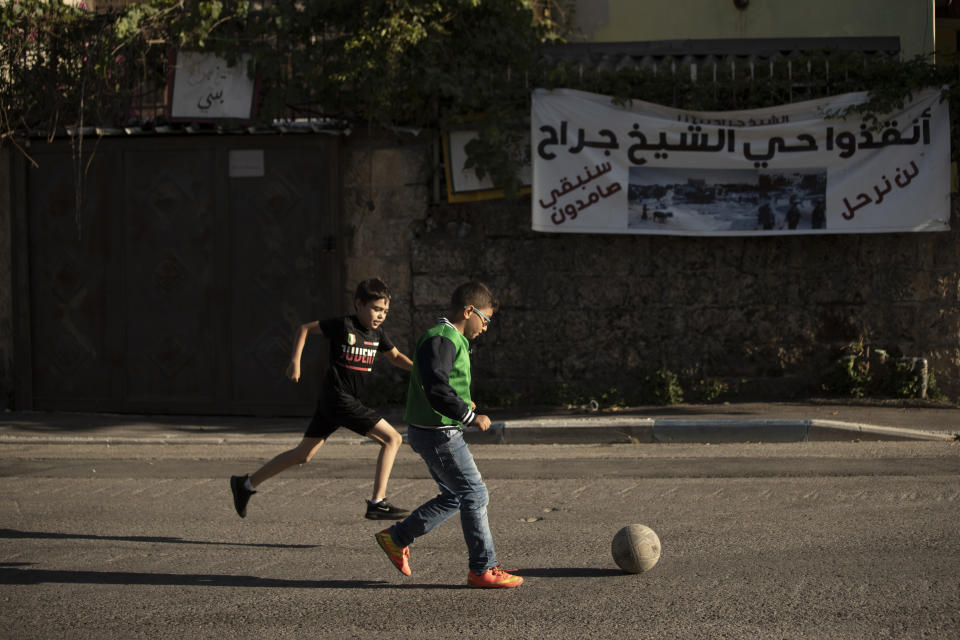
[{"x": 344, "y": 412}]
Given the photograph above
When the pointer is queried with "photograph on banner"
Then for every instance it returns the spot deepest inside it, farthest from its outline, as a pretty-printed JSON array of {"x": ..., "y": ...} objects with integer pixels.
[
  {"x": 727, "y": 199},
  {"x": 790, "y": 169}
]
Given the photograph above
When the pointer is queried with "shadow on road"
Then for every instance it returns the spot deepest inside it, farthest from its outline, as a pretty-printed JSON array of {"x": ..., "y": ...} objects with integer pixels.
[
  {"x": 14, "y": 573},
  {"x": 13, "y": 533}
]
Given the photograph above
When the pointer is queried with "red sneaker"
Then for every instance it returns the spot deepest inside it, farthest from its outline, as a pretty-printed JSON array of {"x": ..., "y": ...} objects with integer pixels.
[
  {"x": 495, "y": 578},
  {"x": 399, "y": 556}
]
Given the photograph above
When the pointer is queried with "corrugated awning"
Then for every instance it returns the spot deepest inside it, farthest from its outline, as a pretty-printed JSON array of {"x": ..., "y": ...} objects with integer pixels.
[{"x": 297, "y": 126}]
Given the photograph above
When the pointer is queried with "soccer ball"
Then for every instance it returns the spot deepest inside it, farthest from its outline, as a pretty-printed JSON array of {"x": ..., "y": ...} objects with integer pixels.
[{"x": 636, "y": 548}]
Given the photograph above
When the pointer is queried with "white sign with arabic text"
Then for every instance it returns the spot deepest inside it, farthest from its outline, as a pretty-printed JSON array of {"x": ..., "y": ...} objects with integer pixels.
[
  {"x": 791, "y": 169},
  {"x": 205, "y": 87}
]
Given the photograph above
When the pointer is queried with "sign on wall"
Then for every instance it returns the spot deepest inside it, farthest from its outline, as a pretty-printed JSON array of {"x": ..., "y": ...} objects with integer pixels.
[
  {"x": 204, "y": 87},
  {"x": 463, "y": 184},
  {"x": 791, "y": 169}
]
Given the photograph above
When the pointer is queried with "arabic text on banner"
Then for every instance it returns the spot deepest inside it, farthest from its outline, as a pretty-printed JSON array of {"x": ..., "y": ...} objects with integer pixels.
[{"x": 790, "y": 169}]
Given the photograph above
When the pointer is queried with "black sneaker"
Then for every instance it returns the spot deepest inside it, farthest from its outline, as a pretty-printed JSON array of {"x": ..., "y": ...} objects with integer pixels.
[
  {"x": 241, "y": 495},
  {"x": 383, "y": 510}
]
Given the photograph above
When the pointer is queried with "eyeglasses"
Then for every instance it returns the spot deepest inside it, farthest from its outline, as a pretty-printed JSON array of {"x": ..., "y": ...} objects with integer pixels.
[{"x": 483, "y": 318}]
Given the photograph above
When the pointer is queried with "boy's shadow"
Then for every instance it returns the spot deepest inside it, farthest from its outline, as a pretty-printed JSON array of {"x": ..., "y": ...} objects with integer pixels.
[
  {"x": 19, "y": 573},
  {"x": 13, "y": 533}
]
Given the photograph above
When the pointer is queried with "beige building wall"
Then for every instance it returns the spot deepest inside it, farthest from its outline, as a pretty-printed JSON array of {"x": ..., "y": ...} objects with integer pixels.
[{"x": 651, "y": 20}]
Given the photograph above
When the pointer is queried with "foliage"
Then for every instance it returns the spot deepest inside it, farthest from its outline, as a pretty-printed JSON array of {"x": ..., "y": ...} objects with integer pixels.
[
  {"x": 933, "y": 389},
  {"x": 62, "y": 67},
  {"x": 905, "y": 381},
  {"x": 707, "y": 391},
  {"x": 389, "y": 63},
  {"x": 567, "y": 395},
  {"x": 849, "y": 377},
  {"x": 661, "y": 387},
  {"x": 862, "y": 371}
]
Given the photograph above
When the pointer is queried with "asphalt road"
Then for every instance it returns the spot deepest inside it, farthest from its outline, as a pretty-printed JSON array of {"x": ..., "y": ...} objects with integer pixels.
[{"x": 805, "y": 540}]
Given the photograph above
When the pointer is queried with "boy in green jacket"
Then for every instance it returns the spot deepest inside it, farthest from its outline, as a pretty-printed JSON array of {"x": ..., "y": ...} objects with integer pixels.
[{"x": 438, "y": 407}]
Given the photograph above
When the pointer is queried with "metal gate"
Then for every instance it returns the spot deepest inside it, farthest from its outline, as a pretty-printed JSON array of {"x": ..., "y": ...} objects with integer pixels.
[{"x": 178, "y": 285}]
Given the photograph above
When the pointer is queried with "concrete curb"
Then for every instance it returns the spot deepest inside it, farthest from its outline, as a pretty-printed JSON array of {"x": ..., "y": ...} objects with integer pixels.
[
  {"x": 826, "y": 426},
  {"x": 616, "y": 429},
  {"x": 567, "y": 430}
]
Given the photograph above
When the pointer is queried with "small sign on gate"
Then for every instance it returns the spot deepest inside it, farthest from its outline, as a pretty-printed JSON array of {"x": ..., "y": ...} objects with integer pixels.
[{"x": 246, "y": 163}]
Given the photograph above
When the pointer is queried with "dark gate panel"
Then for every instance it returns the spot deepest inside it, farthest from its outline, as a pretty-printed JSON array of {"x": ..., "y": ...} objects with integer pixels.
[
  {"x": 181, "y": 287},
  {"x": 69, "y": 283},
  {"x": 171, "y": 291}
]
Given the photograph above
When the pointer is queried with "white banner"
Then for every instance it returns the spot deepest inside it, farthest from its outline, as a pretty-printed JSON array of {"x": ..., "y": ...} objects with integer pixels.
[{"x": 791, "y": 169}]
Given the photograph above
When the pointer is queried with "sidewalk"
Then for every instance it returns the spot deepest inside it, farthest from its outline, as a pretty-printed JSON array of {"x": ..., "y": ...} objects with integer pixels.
[{"x": 713, "y": 423}]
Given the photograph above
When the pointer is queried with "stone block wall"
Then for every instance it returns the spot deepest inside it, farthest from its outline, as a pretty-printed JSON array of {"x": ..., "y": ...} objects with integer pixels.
[
  {"x": 386, "y": 188},
  {"x": 582, "y": 314},
  {"x": 767, "y": 316}
]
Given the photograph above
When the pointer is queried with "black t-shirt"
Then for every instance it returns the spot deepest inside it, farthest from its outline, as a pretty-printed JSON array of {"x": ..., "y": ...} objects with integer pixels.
[{"x": 353, "y": 348}]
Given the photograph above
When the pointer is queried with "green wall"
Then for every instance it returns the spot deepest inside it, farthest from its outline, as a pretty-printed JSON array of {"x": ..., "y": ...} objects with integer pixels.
[{"x": 648, "y": 20}]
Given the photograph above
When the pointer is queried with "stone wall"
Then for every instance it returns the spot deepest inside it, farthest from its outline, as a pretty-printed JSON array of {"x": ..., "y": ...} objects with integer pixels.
[
  {"x": 583, "y": 314},
  {"x": 6, "y": 283},
  {"x": 765, "y": 316},
  {"x": 386, "y": 190}
]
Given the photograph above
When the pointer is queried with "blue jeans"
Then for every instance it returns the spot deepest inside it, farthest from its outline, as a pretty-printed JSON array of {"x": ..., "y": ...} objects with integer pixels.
[{"x": 461, "y": 490}]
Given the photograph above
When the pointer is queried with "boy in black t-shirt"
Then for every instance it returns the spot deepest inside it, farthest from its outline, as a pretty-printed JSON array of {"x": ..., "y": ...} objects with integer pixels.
[{"x": 355, "y": 342}]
